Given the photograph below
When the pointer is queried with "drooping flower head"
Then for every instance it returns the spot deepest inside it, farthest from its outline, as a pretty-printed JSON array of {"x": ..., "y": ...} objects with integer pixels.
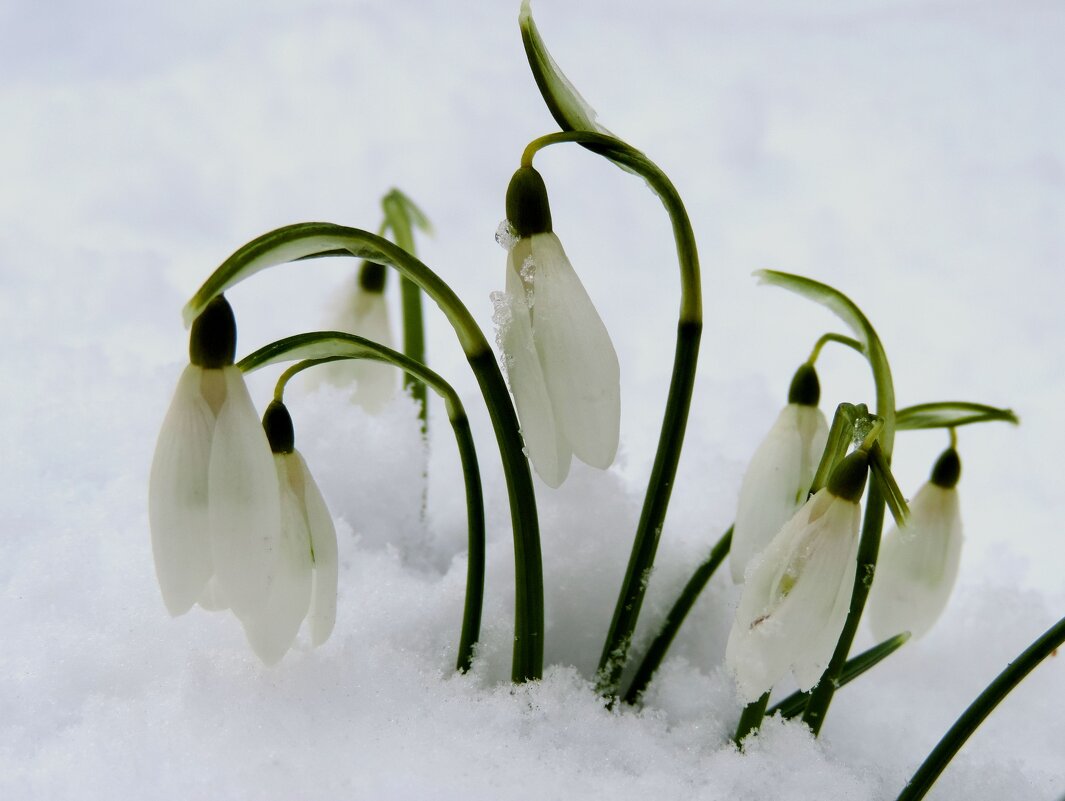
[
  {"x": 781, "y": 470},
  {"x": 304, "y": 578},
  {"x": 560, "y": 363},
  {"x": 363, "y": 311},
  {"x": 918, "y": 564},
  {"x": 213, "y": 502},
  {"x": 797, "y": 594}
]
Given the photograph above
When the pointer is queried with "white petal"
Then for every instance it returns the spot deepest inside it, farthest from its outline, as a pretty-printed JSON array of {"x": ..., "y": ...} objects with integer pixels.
[
  {"x": 243, "y": 505},
  {"x": 547, "y": 448},
  {"x": 579, "y": 362},
  {"x": 272, "y": 629},
  {"x": 776, "y": 481},
  {"x": 917, "y": 566},
  {"x": 212, "y": 598},
  {"x": 323, "y": 541},
  {"x": 364, "y": 314},
  {"x": 177, "y": 496},
  {"x": 791, "y": 613}
]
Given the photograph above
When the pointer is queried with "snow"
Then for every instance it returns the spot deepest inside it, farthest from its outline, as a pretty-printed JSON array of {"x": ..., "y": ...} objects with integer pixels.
[{"x": 908, "y": 152}]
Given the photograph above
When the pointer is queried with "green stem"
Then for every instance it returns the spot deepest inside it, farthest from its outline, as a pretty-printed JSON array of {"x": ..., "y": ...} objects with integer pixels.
[
  {"x": 411, "y": 300},
  {"x": 978, "y": 711},
  {"x": 751, "y": 718},
  {"x": 869, "y": 543},
  {"x": 838, "y": 338},
  {"x": 795, "y": 704},
  {"x": 675, "y": 619},
  {"x": 307, "y": 239},
  {"x": 329, "y": 346},
  {"x": 678, "y": 402}
]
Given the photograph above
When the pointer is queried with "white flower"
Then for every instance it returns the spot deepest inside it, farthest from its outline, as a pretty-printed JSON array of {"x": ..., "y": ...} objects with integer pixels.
[
  {"x": 305, "y": 576},
  {"x": 363, "y": 312},
  {"x": 797, "y": 594},
  {"x": 560, "y": 362},
  {"x": 918, "y": 564},
  {"x": 778, "y": 477},
  {"x": 213, "y": 502}
]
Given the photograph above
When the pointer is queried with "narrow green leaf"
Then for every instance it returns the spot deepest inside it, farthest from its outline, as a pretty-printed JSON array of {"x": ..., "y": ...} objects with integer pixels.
[
  {"x": 570, "y": 110},
  {"x": 411, "y": 209},
  {"x": 794, "y": 704},
  {"x": 950, "y": 414}
]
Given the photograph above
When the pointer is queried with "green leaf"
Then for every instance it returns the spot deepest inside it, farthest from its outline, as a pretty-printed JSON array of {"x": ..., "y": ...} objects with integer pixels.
[
  {"x": 402, "y": 203},
  {"x": 848, "y": 311},
  {"x": 794, "y": 704},
  {"x": 950, "y": 414},
  {"x": 570, "y": 110}
]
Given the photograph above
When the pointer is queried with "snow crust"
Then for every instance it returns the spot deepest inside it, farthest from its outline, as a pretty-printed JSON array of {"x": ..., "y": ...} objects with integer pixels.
[{"x": 908, "y": 153}]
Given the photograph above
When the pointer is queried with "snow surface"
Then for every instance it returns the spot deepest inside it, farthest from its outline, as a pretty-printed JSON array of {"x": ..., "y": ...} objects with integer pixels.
[{"x": 910, "y": 153}]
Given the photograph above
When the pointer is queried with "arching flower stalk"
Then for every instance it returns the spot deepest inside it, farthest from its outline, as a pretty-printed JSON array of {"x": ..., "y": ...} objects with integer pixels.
[
  {"x": 560, "y": 363},
  {"x": 213, "y": 501},
  {"x": 781, "y": 470},
  {"x": 918, "y": 563}
]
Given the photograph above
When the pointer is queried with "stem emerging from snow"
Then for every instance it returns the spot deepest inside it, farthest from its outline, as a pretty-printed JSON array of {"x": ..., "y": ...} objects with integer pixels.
[
  {"x": 653, "y": 658},
  {"x": 678, "y": 402},
  {"x": 306, "y": 240},
  {"x": 985, "y": 703},
  {"x": 328, "y": 346}
]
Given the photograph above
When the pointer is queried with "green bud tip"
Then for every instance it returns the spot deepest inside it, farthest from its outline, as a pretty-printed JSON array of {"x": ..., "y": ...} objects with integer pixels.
[
  {"x": 372, "y": 277},
  {"x": 213, "y": 340},
  {"x": 805, "y": 389},
  {"x": 278, "y": 425},
  {"x": 527, "y": 208},
  {"x": 947, "y": 469},
  {"x": 848, "y": 479}
]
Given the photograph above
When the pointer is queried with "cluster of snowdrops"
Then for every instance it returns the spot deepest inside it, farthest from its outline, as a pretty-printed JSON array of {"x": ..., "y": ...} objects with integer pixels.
[{"x": 238, "y": 522}]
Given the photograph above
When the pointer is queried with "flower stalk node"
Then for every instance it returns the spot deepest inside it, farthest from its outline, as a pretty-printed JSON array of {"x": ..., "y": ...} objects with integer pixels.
[
  {"x": 277, "y": 423},
  {"x": 527, "y": 207},
  {"x": 213, "y": 340},
  {"x": 372, "y": 277},
  {"x": 805, "y": 388},
  {"x": 947, "y": 469},
  {"x": 849, "y": 478}
]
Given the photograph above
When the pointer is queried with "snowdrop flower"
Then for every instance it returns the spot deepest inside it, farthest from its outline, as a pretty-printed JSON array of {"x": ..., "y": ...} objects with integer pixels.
[
  {"x": 918, "y": 564},
  {"x": 797, "y": 594},
  {"x": 781, "y": 471},
  {"x": 213, "y": 501},
  {"x": 560, "y": 362},
  {"x": 304, "y": 581},
  {"x": 364, "y": 313}
]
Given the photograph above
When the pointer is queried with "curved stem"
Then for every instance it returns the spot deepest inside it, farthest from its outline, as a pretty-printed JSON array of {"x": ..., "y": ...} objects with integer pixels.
[
  {"x": 978, "y": 711},
  {"x": 341, "y": 346},
  {"x": 678, "y": 402},
  {"x": 310, "y": 239},
  {"x": 675, "y": 619},
  {"x": 854, "y": 344},
  {"x": 869, "y": 544}
]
